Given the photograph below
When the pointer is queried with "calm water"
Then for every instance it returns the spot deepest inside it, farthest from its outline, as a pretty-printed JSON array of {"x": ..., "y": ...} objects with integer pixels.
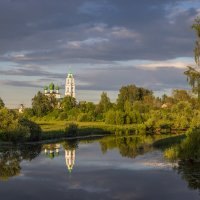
[{"x": 108, "y": 168}]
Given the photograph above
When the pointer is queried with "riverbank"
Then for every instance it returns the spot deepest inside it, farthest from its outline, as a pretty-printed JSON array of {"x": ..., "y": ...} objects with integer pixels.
[{"x": 59, "y": 130}]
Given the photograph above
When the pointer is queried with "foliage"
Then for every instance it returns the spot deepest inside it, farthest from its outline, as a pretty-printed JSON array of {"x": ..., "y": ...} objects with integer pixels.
[
  {"x": 131, "y": 93},
  {"x": 14, "y": 128},
  {"x": 68, "y": 103},
  {"x": 11, "y": 157},
  {"x": 104, "y": 104},
  {"x": 188, "y": 149},
  {"x": 110, "y": 117},
  {"x": 171, "y": 153},
  {"x": 71, "y": 129},
  {"x": 34, "y": 129},
  {"x": 193, "y": 73},
  {"x": 41, "y": 104},
  {"x": 1, "y": 103}
]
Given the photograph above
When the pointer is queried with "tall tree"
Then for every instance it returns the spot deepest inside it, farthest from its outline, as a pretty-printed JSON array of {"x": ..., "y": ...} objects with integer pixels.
[
  {"x": 193, "y": 73},
  {"x": 104, "y": 103},
  {"x": 1, "y": 103},
  {"x": 131, "y": 93},
  {"x": 68, "y": 103},
  {"x": 41, "y": 104}
]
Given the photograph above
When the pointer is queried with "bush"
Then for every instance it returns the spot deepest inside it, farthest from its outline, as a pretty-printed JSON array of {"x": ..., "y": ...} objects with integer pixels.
[
  {"x": 110, "y": 117},
  {"x": 172, "y": 153},
  {"x": 34, "y": 129},
  {"x": 71, "y": 130},
  {"x": 190, "y": 148},
  {"x": 63, "y": 116},
  {"x": 16, "y": 129},
  {"x": 119, "y": 117},
  {"x": 141, "y": 129}
]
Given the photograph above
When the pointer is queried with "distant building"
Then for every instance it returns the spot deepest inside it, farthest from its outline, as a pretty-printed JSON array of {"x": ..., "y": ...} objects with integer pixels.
[
  {"x": 21, "y": 108},
  {"x": 52, "y": 90},
  {"x": 70, "y": 86},
  {"x": 165, "y": 105}
]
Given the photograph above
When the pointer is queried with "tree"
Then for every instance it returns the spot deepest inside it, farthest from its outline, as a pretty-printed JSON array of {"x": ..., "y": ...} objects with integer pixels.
[
  {"x": 41, "y": 105},
  {"x": 193, "y": 73},
  {"x": 68, "y": 103},
  {"x": 1, "y": 103},
  {"x": 181, "y": 95},
  {"x": 131, "y": 93},
  {"x": 104, "y": 103},
  {"x": 110, "y": 117}
]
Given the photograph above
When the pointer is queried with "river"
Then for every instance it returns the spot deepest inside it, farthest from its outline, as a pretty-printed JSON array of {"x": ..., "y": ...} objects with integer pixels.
[{"x": 125, "y": 168}]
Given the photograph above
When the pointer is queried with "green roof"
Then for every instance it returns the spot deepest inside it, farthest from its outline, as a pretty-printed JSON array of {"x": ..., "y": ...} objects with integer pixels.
[
  {"x": 45, "y": 87},
  {"x": 57, "y": 87},
  {"x": 51, "y": 86}
]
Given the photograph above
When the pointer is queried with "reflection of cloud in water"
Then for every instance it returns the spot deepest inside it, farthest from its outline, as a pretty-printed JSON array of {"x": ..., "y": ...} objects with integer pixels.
[
  {"x": 162, "y": 165},
  {"x": 148, "y": 161},
  {"x": 88, "y": 188}
]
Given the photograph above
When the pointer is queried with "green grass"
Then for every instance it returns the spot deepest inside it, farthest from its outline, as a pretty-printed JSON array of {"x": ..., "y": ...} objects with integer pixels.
[
  {"x": 55, "y": 129},
  {"x": 49, "y": 126}
]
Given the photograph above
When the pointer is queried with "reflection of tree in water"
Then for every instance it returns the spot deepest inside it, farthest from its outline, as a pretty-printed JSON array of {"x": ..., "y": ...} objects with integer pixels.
[
  {"x": 190, "y": 173},
  {"x": 131, "y": 146},
  {"x": 70, "y": 144},
  {"x": 10, "y": 159}
]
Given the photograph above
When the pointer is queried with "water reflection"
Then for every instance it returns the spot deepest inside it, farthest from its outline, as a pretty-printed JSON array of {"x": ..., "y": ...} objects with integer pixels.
[
  {"x": 70, "y": 146},
  {"x": 110, "y": 152},
  {"x": 129, "y": 147},
  {"x": 10, "y": 159},
  {"x": 190, "y": 172},
  {"x": 51, "y": 150}
]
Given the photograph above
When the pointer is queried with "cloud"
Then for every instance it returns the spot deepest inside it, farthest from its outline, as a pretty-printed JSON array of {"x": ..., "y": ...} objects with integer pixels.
[
  {"x": 40, "y": 39},
  {"x": 135, "y": 30},
  {"x": 162, "y": 78},
  {"x": 167, "y": 63}
]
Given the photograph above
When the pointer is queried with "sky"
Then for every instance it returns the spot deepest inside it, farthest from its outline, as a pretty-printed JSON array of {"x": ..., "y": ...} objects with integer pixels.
[{"x": 105, "y": 43}]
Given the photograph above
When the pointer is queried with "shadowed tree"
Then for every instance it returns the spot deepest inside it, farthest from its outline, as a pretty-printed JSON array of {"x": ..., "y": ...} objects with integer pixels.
[
  {"x": 68, "y": 103},
  {"x": 131, "y": 93},
  {"x": 193, "y": 73},
  {"x": 1, "y": 103},
  {"x": 41, "y": 104},
  {"x": 104, "y": 103}
]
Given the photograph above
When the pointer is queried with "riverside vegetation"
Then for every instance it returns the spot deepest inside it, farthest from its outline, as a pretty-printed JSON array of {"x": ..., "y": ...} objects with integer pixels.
[{"x": 136, "y": 111}]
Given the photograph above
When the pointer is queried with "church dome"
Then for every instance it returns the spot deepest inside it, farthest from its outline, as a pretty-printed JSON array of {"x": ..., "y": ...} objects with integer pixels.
[
  {"x": 51, "y": 86},
  {"x": 57, "y": 87},
  {"x": 45, "y": 87}
]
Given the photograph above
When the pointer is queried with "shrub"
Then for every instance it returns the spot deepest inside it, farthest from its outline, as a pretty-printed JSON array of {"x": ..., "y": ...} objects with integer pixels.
[
  {"x": 172, "y": 153},
  {"x": 119, "y": 117},
  {"x": 110, "y": 117},
  {"x": 63, "y": 116},
  {"x": 71, "y": 129},
  {"x": 34, "y": 129}
]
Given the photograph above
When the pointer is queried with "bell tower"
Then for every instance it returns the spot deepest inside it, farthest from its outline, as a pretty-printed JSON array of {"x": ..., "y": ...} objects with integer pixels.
[{"x": 70, "y": 86}]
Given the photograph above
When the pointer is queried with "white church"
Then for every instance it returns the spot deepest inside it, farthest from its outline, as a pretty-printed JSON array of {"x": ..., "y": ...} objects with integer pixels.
[{"x": 69, "y": 88}]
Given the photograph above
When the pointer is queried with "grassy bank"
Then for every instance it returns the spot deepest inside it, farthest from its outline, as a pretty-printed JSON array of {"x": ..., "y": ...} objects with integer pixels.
[{"x": 56, "y": 129}]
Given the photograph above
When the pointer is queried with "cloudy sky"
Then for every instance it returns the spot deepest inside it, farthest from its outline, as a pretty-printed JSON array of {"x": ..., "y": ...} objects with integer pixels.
[{"x": 105, "y": 43}]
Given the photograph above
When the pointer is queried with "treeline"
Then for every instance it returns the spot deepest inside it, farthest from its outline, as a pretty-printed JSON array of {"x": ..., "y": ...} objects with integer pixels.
[
  {"x": 134, "y": 105},
  {"x": 15, "y": 127}
]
